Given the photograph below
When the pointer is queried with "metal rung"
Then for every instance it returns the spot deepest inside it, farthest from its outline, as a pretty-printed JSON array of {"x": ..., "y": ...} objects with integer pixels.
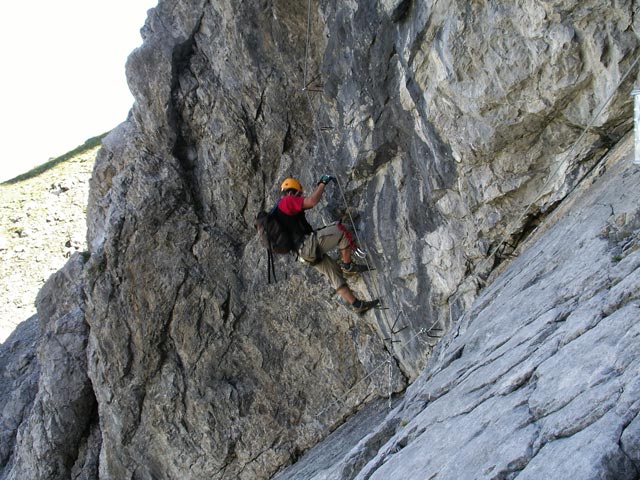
[
  {"x": 395, "y": 332},
  {"x": 316, "y": 87}
]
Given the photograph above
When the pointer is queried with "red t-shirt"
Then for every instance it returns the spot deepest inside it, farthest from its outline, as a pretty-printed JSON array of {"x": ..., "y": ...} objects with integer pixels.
[{"x": 291, "y": 205}]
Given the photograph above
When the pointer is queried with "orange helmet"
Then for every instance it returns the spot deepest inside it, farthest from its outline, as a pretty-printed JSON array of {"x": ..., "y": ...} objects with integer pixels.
[{"x": 291, "y": 184}]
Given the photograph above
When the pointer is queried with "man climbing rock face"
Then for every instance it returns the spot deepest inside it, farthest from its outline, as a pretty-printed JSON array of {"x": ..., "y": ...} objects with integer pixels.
[{"x": 313, "y": 246}]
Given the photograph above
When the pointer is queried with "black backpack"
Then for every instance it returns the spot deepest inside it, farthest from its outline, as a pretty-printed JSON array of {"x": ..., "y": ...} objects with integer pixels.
[{"x": 275, "y": 237}]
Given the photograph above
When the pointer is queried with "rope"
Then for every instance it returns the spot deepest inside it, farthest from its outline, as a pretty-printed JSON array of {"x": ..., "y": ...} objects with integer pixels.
[
  {"x": 347, "y": 234},
  {"x": 375, "y": 286}
]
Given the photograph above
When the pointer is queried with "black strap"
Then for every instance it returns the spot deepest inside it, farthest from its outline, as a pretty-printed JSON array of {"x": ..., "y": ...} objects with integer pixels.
[{"x": 271, "y": 268}]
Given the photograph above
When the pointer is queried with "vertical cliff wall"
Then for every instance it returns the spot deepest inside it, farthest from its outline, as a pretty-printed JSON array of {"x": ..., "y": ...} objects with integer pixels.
[
  {"x": 454, "y": 128},
  {"x": 539, "y": 379}
]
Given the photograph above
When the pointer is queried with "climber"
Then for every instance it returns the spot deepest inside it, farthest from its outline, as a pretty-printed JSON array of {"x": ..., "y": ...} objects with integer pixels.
[{"x": 312, "y": 246}]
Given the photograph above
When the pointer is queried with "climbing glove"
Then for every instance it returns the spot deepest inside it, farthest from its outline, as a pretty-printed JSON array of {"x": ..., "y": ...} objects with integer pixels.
[{"x": 326, "y": 179}]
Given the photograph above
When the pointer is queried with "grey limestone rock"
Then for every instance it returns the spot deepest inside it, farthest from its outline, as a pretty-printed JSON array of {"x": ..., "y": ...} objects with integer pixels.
[
  {"x": 19, "y": 379},
  {"x": 540, "y": 377},
  {"x": 58, "y": 406},
  {"x": 455, "y": 129}
]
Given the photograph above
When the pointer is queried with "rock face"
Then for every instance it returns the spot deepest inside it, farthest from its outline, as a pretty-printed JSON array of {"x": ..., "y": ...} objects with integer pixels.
[
  {"x": 539, "y": 379},
  {"x": 454, "y": 129},
  {"x": 50, "y": 397}
]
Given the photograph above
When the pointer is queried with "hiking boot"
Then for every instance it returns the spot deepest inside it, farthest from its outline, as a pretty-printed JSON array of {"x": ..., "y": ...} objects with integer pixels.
[
  {"x": 362, "y": 306},
  {"x": 354, "y": 269},
  {"x": 351, "y": 271}
]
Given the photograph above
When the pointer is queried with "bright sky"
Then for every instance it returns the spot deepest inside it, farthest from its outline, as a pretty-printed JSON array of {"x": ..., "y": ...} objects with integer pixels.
[{"x": 62, "y": 79}]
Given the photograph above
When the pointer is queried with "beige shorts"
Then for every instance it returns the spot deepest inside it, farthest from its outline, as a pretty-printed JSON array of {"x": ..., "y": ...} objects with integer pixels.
[{"x": 315, "y": 247}]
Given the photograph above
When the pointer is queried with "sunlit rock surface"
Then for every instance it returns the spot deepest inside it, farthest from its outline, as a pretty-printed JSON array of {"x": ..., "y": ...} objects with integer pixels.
[{"x": 454, "y": 130}]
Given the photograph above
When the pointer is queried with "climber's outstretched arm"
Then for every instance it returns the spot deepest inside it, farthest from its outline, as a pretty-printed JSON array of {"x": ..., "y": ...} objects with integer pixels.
[{"x": 313, "y": 199}]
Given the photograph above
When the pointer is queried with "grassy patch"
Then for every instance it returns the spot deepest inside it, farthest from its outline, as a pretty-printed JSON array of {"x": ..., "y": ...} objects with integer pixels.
[{"x": 40, "y": 169}]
